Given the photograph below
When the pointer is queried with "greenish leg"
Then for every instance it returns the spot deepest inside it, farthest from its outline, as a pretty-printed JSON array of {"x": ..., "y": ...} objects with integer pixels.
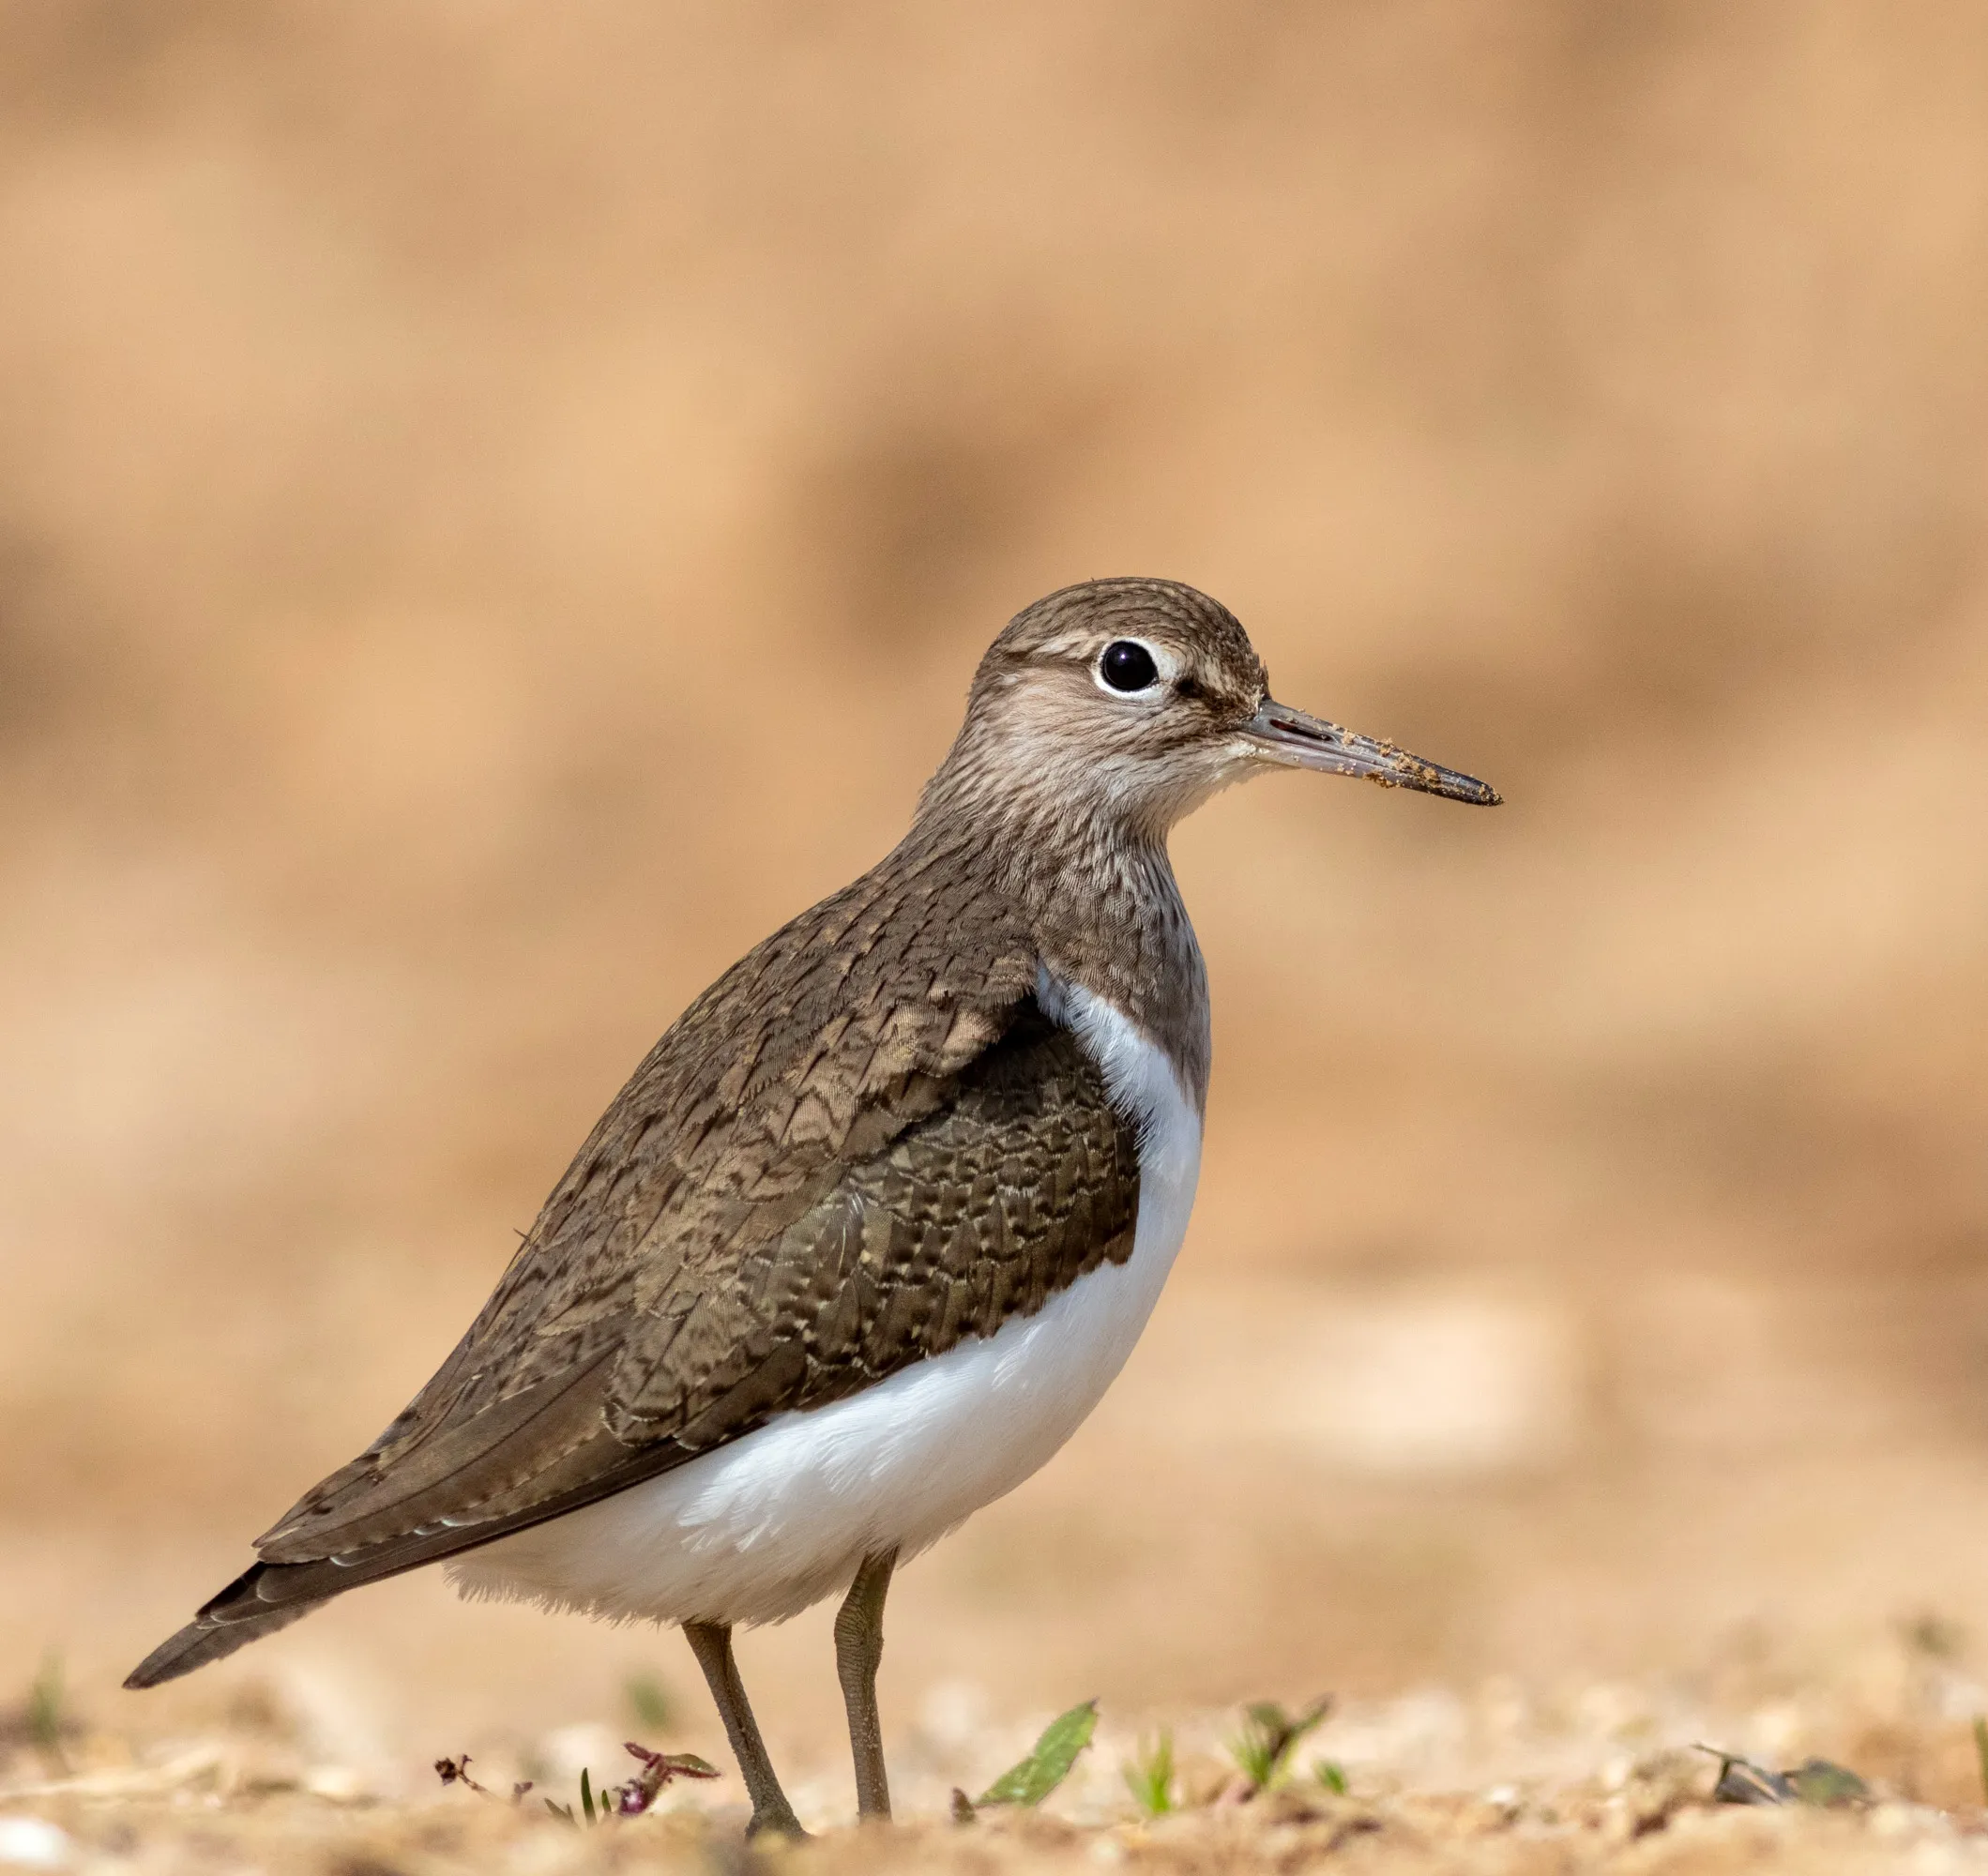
[
  {"x": 859, "y": 1650},
  {"x": 711, "y": 1642}
]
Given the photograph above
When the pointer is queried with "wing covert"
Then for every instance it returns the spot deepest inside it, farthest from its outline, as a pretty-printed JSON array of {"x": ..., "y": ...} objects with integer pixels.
[{"x": 986, "y": 1193}]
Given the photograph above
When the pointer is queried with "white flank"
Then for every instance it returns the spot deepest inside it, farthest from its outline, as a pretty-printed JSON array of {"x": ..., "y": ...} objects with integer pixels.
[{"x": 760, "y": 1529}]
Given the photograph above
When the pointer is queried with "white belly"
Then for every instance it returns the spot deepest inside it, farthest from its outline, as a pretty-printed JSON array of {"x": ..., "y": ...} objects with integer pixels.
[{"x": 760, "y": 1529}]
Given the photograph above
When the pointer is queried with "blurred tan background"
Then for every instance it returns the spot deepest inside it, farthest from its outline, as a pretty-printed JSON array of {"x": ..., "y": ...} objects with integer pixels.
[{"x": 499, "y": 507}]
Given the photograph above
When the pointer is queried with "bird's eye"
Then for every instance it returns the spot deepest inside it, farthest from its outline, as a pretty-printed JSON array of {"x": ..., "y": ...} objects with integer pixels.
[{"x": 1127, "y": 665}]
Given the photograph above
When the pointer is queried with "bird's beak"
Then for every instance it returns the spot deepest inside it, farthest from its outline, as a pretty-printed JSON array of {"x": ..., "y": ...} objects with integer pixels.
[{"x": 1280, "y": 735}]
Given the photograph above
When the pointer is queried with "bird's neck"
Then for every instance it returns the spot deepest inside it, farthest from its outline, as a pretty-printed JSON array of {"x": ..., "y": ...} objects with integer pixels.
[{"x": 1099, "y": 901}]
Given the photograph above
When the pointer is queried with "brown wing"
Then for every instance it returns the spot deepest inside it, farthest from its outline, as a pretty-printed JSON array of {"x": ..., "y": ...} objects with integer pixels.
[
  {"x": 858, "y": 1149},
  {"x": 1017, "y": 1183}
]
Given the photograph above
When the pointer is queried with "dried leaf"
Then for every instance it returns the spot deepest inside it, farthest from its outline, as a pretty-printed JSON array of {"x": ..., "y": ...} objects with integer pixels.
[
  {"x": 1820, "y": 1782},
  {"x": 455, "y": 1771},
  {"x": 1741, "y": 1782}
]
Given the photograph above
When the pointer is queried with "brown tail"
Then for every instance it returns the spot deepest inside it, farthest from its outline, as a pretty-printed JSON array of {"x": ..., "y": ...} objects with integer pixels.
[{"x": 237, "y": 1616}]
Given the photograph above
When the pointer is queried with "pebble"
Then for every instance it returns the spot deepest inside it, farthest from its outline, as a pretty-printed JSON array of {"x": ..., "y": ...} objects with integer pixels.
[{"x": 34, "y": 1843}]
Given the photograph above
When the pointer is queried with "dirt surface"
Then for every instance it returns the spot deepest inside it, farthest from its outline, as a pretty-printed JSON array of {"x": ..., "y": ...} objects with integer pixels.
[
  {"x": 1509, "y": 1777},
  {"x": 497, "y": 510}
]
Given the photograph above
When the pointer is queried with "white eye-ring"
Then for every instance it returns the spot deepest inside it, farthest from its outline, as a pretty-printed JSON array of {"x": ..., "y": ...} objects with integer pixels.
[{"x": 1130, "y": 667}]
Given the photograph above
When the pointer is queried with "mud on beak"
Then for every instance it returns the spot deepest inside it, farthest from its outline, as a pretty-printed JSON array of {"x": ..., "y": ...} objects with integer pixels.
[{"x": 1280, "y": 735}]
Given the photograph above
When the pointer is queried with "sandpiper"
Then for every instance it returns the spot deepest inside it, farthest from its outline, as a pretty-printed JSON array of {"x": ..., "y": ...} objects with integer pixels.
[{"x": 872, "y": 1228}]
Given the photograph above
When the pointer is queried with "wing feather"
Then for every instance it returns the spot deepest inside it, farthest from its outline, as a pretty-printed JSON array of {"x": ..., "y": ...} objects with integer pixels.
[{"x": 845, "y": 1157}]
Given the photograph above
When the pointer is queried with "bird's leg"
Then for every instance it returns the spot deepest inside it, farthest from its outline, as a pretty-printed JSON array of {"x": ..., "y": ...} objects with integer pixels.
[
  {"x": 859, "y": 1649},
  {"x": 711, "y": 1642}
]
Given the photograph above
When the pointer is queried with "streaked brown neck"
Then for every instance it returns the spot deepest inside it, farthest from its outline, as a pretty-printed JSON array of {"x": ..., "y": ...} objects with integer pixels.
[{"x": 1090, "y": 883}]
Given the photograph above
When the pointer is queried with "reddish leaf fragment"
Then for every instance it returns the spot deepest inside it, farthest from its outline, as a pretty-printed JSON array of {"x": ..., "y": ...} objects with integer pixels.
[{"x": 658, "y": 1769}]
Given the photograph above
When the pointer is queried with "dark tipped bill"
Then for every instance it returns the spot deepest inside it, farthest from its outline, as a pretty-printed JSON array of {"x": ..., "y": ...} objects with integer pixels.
[{"x": 1288, "y": 735}]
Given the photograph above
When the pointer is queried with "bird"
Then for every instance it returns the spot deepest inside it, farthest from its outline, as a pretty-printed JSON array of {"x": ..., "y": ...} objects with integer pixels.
[{"x": 872, "y": 1228}]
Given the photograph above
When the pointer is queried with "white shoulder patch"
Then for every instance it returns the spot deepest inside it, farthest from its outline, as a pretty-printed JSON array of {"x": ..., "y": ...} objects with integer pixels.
[{"x": 1137, "y": 1073}]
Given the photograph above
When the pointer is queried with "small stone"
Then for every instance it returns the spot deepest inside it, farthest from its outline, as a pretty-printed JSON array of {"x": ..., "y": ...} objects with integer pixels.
[
  {"x": 340, "y": 1783},
  {"x": 1894, "y": 1820},
  {"x": 34, "y": 1843}
]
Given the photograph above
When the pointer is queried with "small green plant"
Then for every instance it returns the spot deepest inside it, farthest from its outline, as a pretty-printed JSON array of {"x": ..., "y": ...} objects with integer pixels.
[
  {"x": 1262, "y": 1749},
  {"x": 1932, "y": 1633},
  {"x": 1828, "y": 1785},
  {"x": 649, "y": 1702},
  {"x": 586, "y": 1804},
  {"x": 42, "y": 1715},
  {"x": 1332, "y": 1775},
  {"x": 1029, "y": 1780},
  {"x": 1815, "y": 1781},
  {"x": 1149, "y": 1776}
]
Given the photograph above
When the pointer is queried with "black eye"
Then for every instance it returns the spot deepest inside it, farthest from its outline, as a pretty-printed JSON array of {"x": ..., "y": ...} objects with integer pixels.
[{"x": 1127, "y": 665}]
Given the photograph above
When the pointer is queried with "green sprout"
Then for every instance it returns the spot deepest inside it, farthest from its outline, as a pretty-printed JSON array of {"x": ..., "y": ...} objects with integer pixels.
[
  {"x": 586, "y": 1804},
  {"x": 650, "y": 1700},
  {"x": 1263, "y": 1750},
  {"x": 1149, "y": 1776},
  {"x": 43, "y": 1716}
]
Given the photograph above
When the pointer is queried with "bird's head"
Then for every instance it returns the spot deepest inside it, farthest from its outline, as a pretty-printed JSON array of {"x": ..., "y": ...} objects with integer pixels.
[{"x": 1133, "y": 701}]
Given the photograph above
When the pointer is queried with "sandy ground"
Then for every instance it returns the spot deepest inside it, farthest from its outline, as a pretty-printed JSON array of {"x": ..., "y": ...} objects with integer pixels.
[
  {"x": 1508, "y": 1776},
  {"x": 497, "y": 510}
]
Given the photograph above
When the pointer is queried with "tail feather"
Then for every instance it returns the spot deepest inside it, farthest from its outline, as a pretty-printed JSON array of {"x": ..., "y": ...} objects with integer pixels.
[
  {"x": 237, "y": 1616},
  {"x": 271, "y": 1596}
]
